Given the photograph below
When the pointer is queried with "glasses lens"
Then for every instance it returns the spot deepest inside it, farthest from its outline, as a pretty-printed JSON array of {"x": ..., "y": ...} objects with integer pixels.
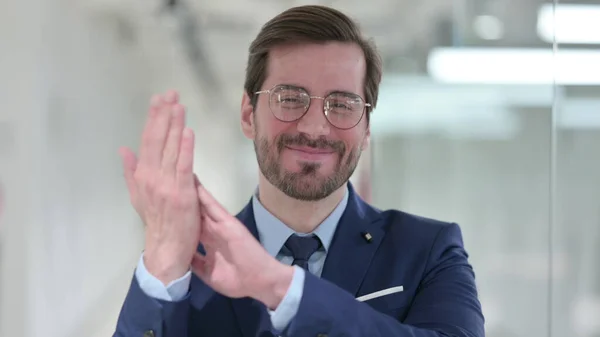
[
  {"x": 288, "y": 103},
  {"x": 344, "y": 110}
]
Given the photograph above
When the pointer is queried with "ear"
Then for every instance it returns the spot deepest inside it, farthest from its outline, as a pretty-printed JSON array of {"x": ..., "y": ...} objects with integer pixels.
[
  {"x": 367, "y": 140},
  {"x": 247, "y": 117}
]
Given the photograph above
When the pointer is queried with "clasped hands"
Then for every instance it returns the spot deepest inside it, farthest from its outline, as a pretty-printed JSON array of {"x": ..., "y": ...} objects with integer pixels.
[{"x": 179, "y": 214}]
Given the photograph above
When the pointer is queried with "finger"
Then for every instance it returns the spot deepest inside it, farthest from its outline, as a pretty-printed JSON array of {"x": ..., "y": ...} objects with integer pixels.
[
  {"x": 155, "y": 132},
  {"x": 129, "y": 165},
  {"x": 173, "y": 141},
  {"x": 211, "y": 207},
  {"x": 155, "y": 103},
  {"x": 172, "y": 97},
  {"x": 215, "y": 234},
  {"x": 202, "y": 234},
  {"x": 185, "y": 160},
  {"x": 208, "y": 231},
  {"x": 196, "y": 181}
]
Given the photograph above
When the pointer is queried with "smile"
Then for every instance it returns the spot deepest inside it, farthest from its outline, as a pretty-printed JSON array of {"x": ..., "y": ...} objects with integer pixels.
[{"x": 310, "y": 153}]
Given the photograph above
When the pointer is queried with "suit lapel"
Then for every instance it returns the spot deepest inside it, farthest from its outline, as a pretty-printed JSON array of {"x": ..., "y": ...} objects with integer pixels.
[
  {"x": 251, "y": 315},
  {"x": 350, "y": 254},
  {"x": 347, "y": 261}
]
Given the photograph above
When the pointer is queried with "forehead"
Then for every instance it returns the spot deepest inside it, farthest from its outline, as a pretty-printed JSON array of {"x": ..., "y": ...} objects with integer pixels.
[{"x": 320, "y": 68}]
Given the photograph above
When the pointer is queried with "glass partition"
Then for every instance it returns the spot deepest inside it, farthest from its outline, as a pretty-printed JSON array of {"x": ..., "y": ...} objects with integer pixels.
[
  {"x": 575, "y": 295},
  {"x": 465, "y": 132}
]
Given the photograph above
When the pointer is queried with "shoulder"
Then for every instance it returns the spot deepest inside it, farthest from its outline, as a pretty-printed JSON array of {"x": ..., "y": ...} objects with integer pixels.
[
  {"x": 400, "y": 220},
  {"x": 419, "y": 230},
  {"x": 423, "y": 243}
]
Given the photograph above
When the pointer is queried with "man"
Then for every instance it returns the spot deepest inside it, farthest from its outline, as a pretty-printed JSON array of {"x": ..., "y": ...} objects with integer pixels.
[{"x": 306, "y": 256}]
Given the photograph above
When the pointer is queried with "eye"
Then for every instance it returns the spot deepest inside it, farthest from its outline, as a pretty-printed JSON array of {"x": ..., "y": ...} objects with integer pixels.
[{"x": 288, "y": 99}]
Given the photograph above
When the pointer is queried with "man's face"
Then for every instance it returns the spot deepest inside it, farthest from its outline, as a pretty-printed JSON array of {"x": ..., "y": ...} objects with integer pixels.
[{"x": 308, "y": 159}]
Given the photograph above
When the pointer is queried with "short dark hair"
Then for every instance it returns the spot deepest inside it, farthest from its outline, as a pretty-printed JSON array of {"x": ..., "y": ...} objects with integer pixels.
[{"x": 306, "y": 24}]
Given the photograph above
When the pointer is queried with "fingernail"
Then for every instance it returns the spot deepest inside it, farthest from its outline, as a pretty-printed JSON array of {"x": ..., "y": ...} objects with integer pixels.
[{"x": 171, "y": 96}]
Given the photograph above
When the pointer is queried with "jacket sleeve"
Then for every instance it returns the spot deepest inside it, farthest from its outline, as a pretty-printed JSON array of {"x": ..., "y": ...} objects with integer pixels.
[
  {"x": 141, "y": 314},
  {"x": 445, "y": 304}
]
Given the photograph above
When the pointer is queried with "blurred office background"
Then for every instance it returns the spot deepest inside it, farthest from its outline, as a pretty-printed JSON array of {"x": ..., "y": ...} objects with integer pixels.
[{"x": 489, "y": 116}]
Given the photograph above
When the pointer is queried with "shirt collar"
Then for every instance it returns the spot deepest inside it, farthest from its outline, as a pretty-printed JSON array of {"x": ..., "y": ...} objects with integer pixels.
[{"x": 273, "y": 233}]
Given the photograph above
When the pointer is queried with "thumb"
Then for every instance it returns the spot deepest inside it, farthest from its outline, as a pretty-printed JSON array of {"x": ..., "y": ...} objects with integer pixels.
[{"x": 129, "y": 162}]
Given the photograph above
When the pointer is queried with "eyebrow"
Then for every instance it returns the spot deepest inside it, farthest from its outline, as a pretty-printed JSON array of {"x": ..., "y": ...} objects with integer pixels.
[{"x": 342, "y": 92}]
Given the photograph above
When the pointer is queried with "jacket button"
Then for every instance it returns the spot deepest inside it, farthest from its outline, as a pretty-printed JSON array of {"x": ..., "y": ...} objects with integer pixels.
[{"x": 149, "y": 333}]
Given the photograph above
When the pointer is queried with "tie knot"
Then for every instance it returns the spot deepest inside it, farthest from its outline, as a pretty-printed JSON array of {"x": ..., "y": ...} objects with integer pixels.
[{"x": 302, "y": 247}]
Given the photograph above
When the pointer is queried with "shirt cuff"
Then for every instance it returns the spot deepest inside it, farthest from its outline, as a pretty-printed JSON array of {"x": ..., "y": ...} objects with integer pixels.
[
  {"x": 288, "y": 308},
  {"x": 153, "y": 287}
]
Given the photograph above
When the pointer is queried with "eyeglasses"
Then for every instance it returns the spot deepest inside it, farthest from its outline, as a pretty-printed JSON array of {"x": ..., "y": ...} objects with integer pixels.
[{"x": 289, "y": 103}]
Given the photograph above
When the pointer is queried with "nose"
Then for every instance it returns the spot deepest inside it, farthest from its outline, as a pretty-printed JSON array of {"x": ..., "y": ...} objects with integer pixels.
[{"x": 313, "y": 123}]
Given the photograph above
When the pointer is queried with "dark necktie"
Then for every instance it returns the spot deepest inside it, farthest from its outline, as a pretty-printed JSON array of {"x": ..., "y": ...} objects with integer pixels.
[{"x": 302, "y": 247}]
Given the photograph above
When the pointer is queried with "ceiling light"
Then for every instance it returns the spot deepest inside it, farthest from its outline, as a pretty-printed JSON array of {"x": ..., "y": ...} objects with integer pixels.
[
  {"x": 514, "y": 66},
  {"x": 488, "y": 27},
  {"x": 578, "y": 24}
]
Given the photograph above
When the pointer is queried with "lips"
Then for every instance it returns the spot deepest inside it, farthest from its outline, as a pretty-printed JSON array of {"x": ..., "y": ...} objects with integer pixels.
[{"x": 310, "y": 150}]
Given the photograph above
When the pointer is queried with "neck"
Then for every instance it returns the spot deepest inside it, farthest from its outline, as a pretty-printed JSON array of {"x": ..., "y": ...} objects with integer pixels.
[{"x": 301, "y": 216}]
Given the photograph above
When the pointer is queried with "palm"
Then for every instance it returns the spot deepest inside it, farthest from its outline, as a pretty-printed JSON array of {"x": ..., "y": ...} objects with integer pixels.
[
  {"x": 233, "y": 261},
  {"x": 221, "y": 275}
]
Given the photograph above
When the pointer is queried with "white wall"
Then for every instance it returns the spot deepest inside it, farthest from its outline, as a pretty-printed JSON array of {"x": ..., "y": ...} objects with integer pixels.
[
  {"x": 20, "y": 98},
  {"x": 74, "y": 88}
]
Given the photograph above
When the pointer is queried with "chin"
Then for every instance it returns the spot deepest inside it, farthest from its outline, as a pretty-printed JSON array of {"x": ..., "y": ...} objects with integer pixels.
[
  {"x": 309, "y": 168},
  {"x": 308, "y": 188}
]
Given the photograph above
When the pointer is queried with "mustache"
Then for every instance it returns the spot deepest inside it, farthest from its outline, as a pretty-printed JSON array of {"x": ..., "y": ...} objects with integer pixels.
[{"x": 302, "y": 140}]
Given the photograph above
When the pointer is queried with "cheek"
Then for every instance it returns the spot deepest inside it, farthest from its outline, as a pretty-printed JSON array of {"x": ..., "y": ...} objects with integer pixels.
[
  {"x": 270, "y": 128},
  {"x": 353, "y": 140}
]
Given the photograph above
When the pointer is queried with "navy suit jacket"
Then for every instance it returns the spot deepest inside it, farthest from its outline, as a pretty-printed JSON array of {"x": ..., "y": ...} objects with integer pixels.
[{"x": 424, "y": 256}]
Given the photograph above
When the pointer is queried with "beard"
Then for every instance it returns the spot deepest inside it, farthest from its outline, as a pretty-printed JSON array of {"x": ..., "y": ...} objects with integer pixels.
[{"x": 307, "y": 184}]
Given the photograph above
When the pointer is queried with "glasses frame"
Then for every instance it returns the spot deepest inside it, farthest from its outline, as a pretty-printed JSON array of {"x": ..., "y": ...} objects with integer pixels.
[{"x": 310, "y": 98}]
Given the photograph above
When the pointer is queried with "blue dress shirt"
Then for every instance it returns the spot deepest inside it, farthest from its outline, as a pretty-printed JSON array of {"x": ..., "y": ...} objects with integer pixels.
[{"x": 272, "y": 234}]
